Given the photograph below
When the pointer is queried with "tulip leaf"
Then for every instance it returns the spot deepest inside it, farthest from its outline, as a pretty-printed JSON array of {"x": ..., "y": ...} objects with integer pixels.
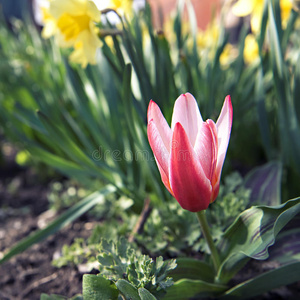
[
  {"x": 265, "y": 282},
  {"x": 252, "y": 233},
  {"x": 264, "y": 183},
  {"x": 287, "y": 247},
  {"x": 95, "y": 287},
  {"x": 190, "y": 268},
  {"x": 185, "y": 289}
]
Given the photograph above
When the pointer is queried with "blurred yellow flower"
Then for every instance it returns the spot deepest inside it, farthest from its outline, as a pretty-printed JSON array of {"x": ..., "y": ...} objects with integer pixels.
[
  {"x": 207, "y": 43},
  {"x": 255, "y": 8},
  {"x": 209, "y": 37},
  {"x": 285, "y": 7},
  {"x": 168, "y": 28},
  {"x": 122, "y": 7},
  {"x": 72, "y": 22},
  {"x": 228, "y": 55},
  {"x": 251, "y": 50}
]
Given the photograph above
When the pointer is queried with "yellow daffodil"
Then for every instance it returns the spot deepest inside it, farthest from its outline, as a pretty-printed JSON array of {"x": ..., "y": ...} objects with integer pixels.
[
  {"x": 207, "y": 43},
  {"x": 208, "y": 38},
  {"x": 255, "y": 8},
  {"x": 122, "y": 7},
  {"x": 251, "y": 50},
  {"x": 285, "y": 8},
  {"x": 73, "y": 24},
  {"x": 228, "y": 55}
]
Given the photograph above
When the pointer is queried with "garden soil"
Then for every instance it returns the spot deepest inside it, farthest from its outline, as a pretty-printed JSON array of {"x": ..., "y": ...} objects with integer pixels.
[{"x": 24, "y": 209}]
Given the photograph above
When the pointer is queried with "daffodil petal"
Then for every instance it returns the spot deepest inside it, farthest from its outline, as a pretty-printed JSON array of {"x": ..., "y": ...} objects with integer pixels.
[{"x": 243, "y": 8}]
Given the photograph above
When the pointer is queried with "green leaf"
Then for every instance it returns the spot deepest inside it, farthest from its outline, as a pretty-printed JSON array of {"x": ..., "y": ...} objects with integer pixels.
[
  {"x": 262, "y": 113},
  {"x": 145, "y": 294},
  {"x": 64, "y": 219},
  {"x": 128, "y": 290},
  {"x": 275, "y": 29},
  {"x": 289, "y": 28},
  {"x": 270, "y": 280},
  {"x": 119, "y": 260},
  {"x": 96, "y": 287},
  {"x": 65, "y": 166},
  {"x": 263, "y": 27},
  {"x": 190, "y": 268},
  {"x": 51, "y": 297},
  {"x": 185, "y": 289},
  {"x": 63, "y": 140},
  {"x": 252, "y": 233}
]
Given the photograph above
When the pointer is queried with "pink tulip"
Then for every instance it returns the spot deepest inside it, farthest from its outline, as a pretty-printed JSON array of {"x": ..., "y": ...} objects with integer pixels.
[{"x": 190, "y": 154}]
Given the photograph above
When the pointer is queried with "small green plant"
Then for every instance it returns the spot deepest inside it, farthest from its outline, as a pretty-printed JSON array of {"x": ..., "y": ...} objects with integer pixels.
[{"x": 132, "y": 273}]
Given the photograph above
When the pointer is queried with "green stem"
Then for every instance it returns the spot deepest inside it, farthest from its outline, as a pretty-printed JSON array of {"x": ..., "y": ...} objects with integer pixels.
[{"x": 205, "y": 230}]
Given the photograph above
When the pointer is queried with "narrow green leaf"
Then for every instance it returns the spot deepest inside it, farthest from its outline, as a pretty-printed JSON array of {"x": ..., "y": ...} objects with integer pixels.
[
  {"x": 289, "y": 29},
  {"x": 262, "y": 113},
  {"x": 275, "y": 40},
  {"x": 145, "y": 294},
  {"x": 29, "y": 118},
  {"x": 185, "y": 289},
  {"x": 128, "y": 290},
  {"x": 64, "y": 219},
  {"x": 95, "y": 287},
  {"x": 270, "y": 280},
  {"x": 263, "y": 27},
  {"x": 64, "y": 142},
  {"x": 51, "y": 297},
  {"x": 57, "y": 162}
]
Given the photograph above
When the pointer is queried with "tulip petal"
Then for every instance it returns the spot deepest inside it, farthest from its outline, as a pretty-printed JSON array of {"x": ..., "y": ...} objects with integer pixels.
[
  {"x": 190, "y": 186},
  {"x": 224, "y": 124},
  {"x": 158, "y": 147},
  {"x": 164, "y": 178},
  {"x": 186, "y": 112},
  {"x": 206, "y": 148},
  {"x": 154, "y": 113}
]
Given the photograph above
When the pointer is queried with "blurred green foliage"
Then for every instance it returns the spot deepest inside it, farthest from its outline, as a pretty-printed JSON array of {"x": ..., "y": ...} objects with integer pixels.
[{"x": 90, "y": 124}]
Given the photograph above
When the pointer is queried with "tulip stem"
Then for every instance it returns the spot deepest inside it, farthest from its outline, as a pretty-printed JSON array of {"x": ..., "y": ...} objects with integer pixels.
[{"x": 206, "y": 233}]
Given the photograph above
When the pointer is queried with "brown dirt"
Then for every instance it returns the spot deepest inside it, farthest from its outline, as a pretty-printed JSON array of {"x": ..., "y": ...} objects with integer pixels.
[{"x": 24, "y": 209}]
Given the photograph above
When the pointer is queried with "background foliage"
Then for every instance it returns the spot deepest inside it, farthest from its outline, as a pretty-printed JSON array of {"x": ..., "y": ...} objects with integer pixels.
[{"x": 90, "y": 125}]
